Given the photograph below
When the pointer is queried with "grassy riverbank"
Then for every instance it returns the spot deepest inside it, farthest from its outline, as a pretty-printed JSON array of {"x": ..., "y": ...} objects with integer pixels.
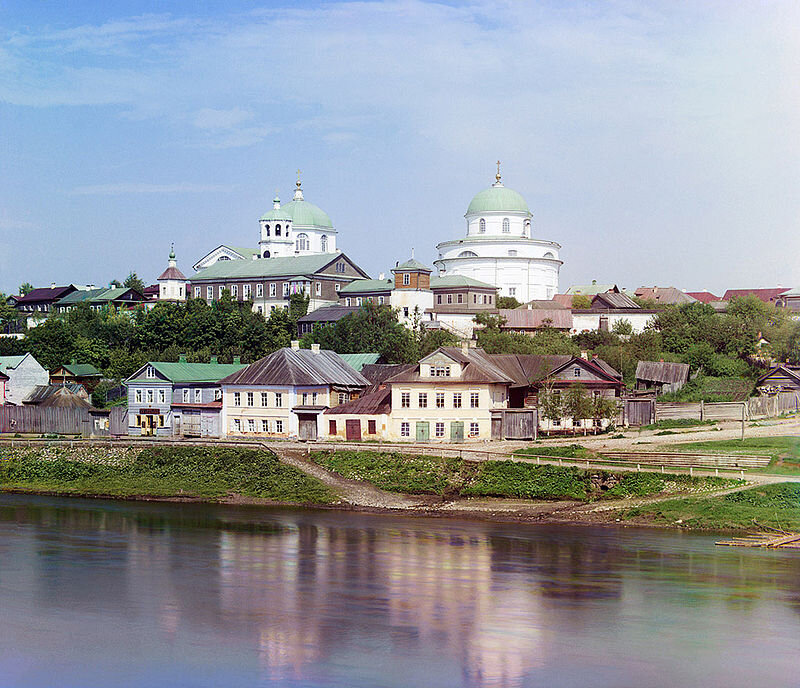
[
  {"x": 453, "y": 478},
  {"x": 209, "y": 473}
]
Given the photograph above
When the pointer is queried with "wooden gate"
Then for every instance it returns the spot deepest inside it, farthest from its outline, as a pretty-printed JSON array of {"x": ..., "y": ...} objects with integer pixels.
[
  {"x": 191, "y": 423},
  {"x": 307, "y": 428},
  {"x": 353, "y": 429},
  {"x": 639, "y": 411},
  {"x": 514, "y": 424}
]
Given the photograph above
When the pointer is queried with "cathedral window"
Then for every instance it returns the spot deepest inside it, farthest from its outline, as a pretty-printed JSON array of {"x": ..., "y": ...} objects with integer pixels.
[
  {"x": 266, "y": 254},
  {"x": 527, "y": 227},
  {"x": 277, "y": 230},
  {"x": 323, "y": 242},
  {"x": 302, "y": 242},
  {"x": 266, "y": 230},
  {"x": 467, "y": 254},
  {"x": 506, "y": 226},
  {"x": 482, "y": 226},
  {"x": 512, "y": 253}
]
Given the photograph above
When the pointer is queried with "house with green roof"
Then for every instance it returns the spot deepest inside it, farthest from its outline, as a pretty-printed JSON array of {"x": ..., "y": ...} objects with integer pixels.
[
  {"x": 180, "y": 398},
  {"x": 24, "y": 374},
  {"x": 81, "y": 373}
]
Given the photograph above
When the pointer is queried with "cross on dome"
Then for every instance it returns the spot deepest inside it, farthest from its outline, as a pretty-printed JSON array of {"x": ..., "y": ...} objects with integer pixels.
[{"x": 497, "y": 176}]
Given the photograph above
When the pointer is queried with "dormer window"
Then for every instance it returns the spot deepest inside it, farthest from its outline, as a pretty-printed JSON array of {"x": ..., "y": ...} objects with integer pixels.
[
  {"x": 482, "y": 226},
  {"x": 151, "y": 372},
  {"x": 577, "y": 372},
  {"x": 506, "y": 226},
  {"x": 440, "y": 370},
  {"x": 406, "y": 279}
]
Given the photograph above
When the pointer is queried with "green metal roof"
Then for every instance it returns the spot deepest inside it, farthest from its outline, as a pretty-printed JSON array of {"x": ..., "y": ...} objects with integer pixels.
[
  {"x": 497, "y": 198},
  {"x": 412, "y": 264},
  {"x": 458, "y": 281},
  {"x": 246, "y": 252},
  {"x": 109, "y": 294},
  {"x": 299, "y": 212},
  {"x": 358, "y": 361},
  {"x": 266, "y": 267},
  {"x": 78, "y": 296},
  {"x": 196, "y": 372},
  {"x": 81, "y": 369},
  {"x": 7, "y": 362},
  {"x": 365, "y": 285}
]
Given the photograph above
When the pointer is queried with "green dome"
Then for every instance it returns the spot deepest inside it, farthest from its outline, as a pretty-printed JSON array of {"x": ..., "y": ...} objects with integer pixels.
[
  {"x": 497, "y": 198},
  {"x": 305, "y": 213},
  {"x": 277, "y": 214}
]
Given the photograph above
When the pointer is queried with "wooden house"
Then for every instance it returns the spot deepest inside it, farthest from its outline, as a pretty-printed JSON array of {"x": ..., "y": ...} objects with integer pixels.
[
  {"x": 366, "y": 417},
  {"x": 81, "y": 373},
  {"x": 24, "y": 374},
  {"x": 660, "y": 376},
  {"x": 783, "y": 378}
]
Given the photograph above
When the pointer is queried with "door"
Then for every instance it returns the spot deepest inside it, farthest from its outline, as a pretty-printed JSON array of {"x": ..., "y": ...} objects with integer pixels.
[
  {"x": 497, "y": 425},
  {"x": 353, "y": 429},
  {"x": 307, "y": 426},
  {"x": 423, "y": 431},
  {"x": 149, "y": 424},
  {"x": 191, "y": 423},
  {"x": 207, "y": 425},
  {"x": 457, "y": 431}
]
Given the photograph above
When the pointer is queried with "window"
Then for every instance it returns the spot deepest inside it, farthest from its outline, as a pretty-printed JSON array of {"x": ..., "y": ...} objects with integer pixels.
[
  {"x": 301, "y": 243},
  {"x": 439, "y": 430},
  {"x": 490, "y": 298},
  {"x": 474, "y": 399},
  {"x": 251, "y": 424},
  {"x": 278, "y": 426},
  {"x": 440, "y": 371},
  {"x": 405, "y": 429},
  {"x": 323, "y": 243},
  {"x": 278, "y": 399},
  {"x": 512, "y": 253},
  {"x": 372, "y": 427},
  {"x": 247, "y": 291},
  {"x": 331, "y": 427},
  {"x": 556, "y": 421},
  {"x": 405, "y": 311},
  {"x": 250, "y": 399},
  {"x": 340, "y": 268},
  {"x": 460, "y": 298},
  {"x": 485, "y": 300},
  {"x": 264, "y": 399},
  {"x": 512, "y": 291},
  {"x": 318, "y": 289},
  {"x": 456, "y": 399},
  {"x": 197, "y": 292},
  {"x": 482, "y": 226},
  {"x": 286, "y": 289},
  {"x": 439, "y": 299},
  {"x": 151, "y": 372},
  {"x": 506, "y": 226},
  {"x": 198, "y": 396},
  {"x": 209, "y": 293},
  {"x": 266, "y": 230},
  {"x": 305, "y": 398},
  {"x": 576, "y": 422},
  {"x": 149, "y": 396},
  {"x": 406, "y": 279},
  {"x": 264, "y": 426},
  {"x": 186, "y": 393},
  {"x": 237, "y": 425},
  {"x": 347, "y": 301},
  {"x": 422, "y": 398},
  {"x": 343, "y": 397},
  {"x": 217, "y": 395},
  {"x": 234, "y": 290},
  {"x": 439, "y": 399},
  {"x": 359, "y": 301},
  {"x": 473, "y": 429},
  {"x": 449, "y": 298},
  {"x": 273, "y": 289},
  {"x": 337, "y": 287},
  {"x": 259, "y": 291},
  {"x": 380, "y": 300},
  {"x": 405, "y": 399},
  {"x": 577, "y": 372},
  {"x": 138, "y": 395},
  {"x": 237, "y": 399},
  {"x": 277, "y": 230},
  {"x": 221, "y": 289},
  {"x": 314, "y": 398}
]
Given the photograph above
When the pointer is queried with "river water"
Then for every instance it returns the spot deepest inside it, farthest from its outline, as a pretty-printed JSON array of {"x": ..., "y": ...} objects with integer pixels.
[{"x": 100, "y": 593}]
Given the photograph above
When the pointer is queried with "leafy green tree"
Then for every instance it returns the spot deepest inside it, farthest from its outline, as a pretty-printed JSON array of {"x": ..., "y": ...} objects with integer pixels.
[
  {"x": 604, "y": 408},
  {"x": 132, "y": 281},
  {"x": 581, "y": 301},
  {"x": 622, "y": 326},
  {"x": 25, "y": 288},
  {"x": 550, "y": 404},
  {"x": 577, "y": 403},
  {"x": 507, "y": 302},
  {"x": 547, "y": 341}
]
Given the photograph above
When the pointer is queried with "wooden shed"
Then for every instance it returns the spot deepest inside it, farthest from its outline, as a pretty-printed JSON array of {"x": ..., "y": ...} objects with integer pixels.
[{"x": 661, "y": 376}]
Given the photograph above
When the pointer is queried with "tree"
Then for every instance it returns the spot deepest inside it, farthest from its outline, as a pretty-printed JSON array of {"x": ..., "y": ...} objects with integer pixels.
[
  {"x": 622, "y": 326},
  {"x": 25, "y": 288},
  {"x": 549, "y": 402},
  {"x": 507, "y": 302},
  {"x": 7, "y": 313},
  {"x": 577, "y": 404},
  {"x": 604, "y": 408},
  {"x": 132, "y": 281},
  {"x": 581, "y": 301}
]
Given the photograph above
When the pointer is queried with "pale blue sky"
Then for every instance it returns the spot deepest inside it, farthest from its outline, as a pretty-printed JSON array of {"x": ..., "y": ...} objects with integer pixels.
[{"x": 658, "y": 142}]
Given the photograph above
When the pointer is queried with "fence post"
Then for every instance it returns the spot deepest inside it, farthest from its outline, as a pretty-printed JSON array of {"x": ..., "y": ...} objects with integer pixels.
[
  {"x": 743, "y": 422},
  {"x": 638, "y": 468},
  {"x": 691, "y": 471},
  {"x": 702, "y": 410}
]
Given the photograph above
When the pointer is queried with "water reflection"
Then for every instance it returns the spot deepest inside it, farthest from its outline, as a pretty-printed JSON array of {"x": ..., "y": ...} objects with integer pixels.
[{"x": 247, "y": 596}]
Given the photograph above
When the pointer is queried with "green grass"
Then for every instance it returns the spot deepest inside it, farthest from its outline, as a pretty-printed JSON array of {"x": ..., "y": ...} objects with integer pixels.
[
  {"x": 396, "y": 472},
  {"x": 205, "y": 472},
  {"x": 784, "y": 451},
  {"x": 673, "y": 423},
  {"x": 777, "y": 506},
  {"x": 572, "y": 451}
]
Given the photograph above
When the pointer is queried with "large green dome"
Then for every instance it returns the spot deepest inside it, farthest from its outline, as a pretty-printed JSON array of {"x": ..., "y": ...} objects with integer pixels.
[
  {"x": 305, "y": 213},
  {"x": 497, "y": 198}
]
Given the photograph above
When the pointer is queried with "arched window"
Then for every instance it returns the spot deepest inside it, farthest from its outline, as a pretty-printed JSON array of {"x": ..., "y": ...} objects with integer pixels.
[
  {"x": 549, "y": 255},
  {"x": 277, "y": 230},
  {"x": 266, "y": 230},
  {"x": 266, "y": 254},
  {"x": 468, "y": 254},
  {"x": 527, "y": 229},
  {"x": 323, "y": 242},
  {"x": 482, "y": 226},
  {"x": 506, "y": 226},
  {"x": 302, "y": 242}
]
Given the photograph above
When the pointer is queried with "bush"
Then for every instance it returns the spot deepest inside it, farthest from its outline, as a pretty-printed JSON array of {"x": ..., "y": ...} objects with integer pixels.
[{"x": 514, "y": 479}]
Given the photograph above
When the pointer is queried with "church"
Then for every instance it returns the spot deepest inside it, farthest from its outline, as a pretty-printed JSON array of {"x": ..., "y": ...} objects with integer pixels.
[{"x": 499, "y": 247}]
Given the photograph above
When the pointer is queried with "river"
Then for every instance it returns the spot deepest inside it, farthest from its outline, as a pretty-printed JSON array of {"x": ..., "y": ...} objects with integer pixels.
[{"x": 101, "y": 593}]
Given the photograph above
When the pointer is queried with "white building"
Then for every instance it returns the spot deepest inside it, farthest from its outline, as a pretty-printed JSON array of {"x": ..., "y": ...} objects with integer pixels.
[
  {"x": 24, "y": 374},
  {"x": 499, "y": 247},
  {"x": 172, "y": 282}
]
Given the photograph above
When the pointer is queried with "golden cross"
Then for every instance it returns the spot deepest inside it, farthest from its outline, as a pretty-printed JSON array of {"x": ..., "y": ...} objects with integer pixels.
[
  {"x": 298, "y": 176},
  {"x": 497, "y": 177}
]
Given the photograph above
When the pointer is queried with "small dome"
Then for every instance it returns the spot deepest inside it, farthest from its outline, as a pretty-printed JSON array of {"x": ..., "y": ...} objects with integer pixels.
[
  {"x": 497, "y": 198},
  {"x": 276, "y": 215}
]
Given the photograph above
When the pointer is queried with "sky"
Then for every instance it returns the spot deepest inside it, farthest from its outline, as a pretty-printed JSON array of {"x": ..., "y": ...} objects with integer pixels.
[{"x": 657, "y": 142}]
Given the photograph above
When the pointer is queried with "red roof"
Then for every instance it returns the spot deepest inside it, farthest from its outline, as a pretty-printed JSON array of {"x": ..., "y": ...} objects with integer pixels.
[
  {"x": 703, "y": 296},
  {"x": 525, "y": 319},
  {"x": 171, "y": 274},
  {"x": 765, "y": 295}
]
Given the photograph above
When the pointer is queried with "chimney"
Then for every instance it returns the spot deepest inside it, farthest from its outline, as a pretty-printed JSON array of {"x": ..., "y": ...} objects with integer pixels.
[
  {"x": 182, "y": 358},
  {"x": 295, "y": 344},
  {"x": 52, "y": 285},
  {"x": 585, "y": 355},
  {"x": 465, "y": 348},
  {"x": 382, "y": 276},
  {"x": 237, "y": 360},
  {"x": 315, "y": 348},
  {"x": 214, "y": 359}
]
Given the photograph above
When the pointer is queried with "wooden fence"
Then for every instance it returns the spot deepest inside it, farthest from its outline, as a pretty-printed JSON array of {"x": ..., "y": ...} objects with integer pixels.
[{"x": 63, "y": 421}]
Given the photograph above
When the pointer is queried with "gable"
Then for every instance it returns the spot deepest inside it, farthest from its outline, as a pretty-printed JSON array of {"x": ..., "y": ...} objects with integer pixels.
[
  {"x": 142, "y": 375},
  {"x": 578, "y": 371}
]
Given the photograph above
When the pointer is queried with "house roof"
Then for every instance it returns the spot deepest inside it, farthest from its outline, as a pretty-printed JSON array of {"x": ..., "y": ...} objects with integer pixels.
[
  {"x": 454, "y": 281},
  {"x": 669, "y": 295},
  {"x": 80, "y": 370},
  {"x": 78, "y": 296},
  {"x": 546, "y": 304},
  {"x": 792, "y": 292},
  {"x": 271, "y": 267},
  {"x": 378, "y": 402},
  {"x": 592, "y": 289},
  {"x": 662, "y": 371},
  {"x": 613, "y": 300},
  {"x": 11, "y": 362},
  {"x": 386, "y": 285},
  {"x": 299, "y": 367},
  {"x": 328, "y": 314},
  {"x": 564, "y": 299},
  {"x": 377, "y": 373},
  {"x": 765, "y": 295},
  {"x": 703, "y": 296},
  {"x": 358, "y": 361},
  {"x": 411, "y": 264},
  {"x": 790, "y": 371},
  {"x": 112, "y": 294},
  {"x": 63, "y": 397},
  {"x": 171, "y": 274},
  {"x": 3, "y": 376},
  {"x": 42, "y": 392},
  {"x": 45, "y": 294},
  {"x": 363, "y": 286},
  {"x": 530, "y": 319},
  {"x": 191, "y": 372}
]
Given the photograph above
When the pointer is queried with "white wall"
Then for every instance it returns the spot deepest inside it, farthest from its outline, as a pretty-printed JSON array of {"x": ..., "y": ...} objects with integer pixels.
[{"x": 22, "y": 379}]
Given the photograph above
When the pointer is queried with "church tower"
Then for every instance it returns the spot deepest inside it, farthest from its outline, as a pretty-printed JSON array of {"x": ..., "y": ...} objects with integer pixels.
[{"x": 172, "y": 282}]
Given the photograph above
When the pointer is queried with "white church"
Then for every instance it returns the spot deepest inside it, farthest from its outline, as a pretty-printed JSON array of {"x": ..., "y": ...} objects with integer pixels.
[{"x": 500, "y": 249}]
